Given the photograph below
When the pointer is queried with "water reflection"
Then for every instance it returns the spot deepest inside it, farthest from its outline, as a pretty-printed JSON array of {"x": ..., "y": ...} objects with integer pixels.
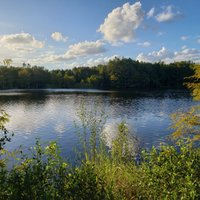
[
  {"x": 50, "y": 114},
  {"x": 111, "y": 131}
]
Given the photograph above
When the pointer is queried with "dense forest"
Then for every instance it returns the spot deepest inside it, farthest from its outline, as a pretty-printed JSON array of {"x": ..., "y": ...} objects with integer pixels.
[{"x": 116, "y": 74}]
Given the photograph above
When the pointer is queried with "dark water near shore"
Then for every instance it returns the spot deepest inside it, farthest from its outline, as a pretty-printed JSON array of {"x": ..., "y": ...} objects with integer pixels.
[{"x": 50, "y": 114}]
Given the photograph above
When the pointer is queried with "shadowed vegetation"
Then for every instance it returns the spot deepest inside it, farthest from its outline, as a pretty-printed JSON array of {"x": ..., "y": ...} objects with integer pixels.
[{"x": 116, "y": 74}]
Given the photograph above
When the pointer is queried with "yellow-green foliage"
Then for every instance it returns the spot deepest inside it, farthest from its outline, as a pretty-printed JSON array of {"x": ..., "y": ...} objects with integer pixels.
[
  {"x": 171, "y": 172},
  {"x": 120, "y": 146},
  {"x": 186, "y": 124},
  {"x": 3, "y": 131},
  {"x": 193, "y": 83}
]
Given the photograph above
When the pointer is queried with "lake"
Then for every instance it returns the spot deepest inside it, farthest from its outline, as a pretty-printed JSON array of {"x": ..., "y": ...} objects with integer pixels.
[{"x": 50, "y": 114}]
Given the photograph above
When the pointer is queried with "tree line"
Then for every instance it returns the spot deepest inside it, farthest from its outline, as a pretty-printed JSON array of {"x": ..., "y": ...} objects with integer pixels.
[{"x": 119, "y": 73}]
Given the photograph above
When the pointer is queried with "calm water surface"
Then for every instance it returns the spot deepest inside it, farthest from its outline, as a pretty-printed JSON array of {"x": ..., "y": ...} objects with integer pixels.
[{"x": 50, "y": 114}]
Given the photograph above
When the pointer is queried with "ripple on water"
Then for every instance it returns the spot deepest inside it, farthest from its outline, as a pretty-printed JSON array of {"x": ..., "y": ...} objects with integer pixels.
[{"x": 50, "y": 114}]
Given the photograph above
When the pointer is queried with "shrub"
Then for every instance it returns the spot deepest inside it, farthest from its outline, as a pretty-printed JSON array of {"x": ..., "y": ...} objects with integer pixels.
[{"x": 170, "y": 173}]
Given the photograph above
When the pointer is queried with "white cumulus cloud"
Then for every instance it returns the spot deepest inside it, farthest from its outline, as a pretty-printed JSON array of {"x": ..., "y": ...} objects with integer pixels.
[
  {"x": 168, "y": 15},
  {"x": 155, "y": 56},
  {"x": 170, "y": 56},
  {"x": 160, "y": 33},
  {"x": 57, "y": 36},
  {"x": 20, "y": 42},
  {"x": 151, "y": 13},
  {"x": 184, "y": 47},
  {"x": 144, "y": 44},
  {"x": 184, "y": 37},
  {"x": 121, "y": 23},
  {"x": 92, "y": 61},
  {"x": 79, "y": 50},
  {"x": 101, "y": 60},
  {"x": 187, "y": 54},
  {"x": 86, "y": 48}
]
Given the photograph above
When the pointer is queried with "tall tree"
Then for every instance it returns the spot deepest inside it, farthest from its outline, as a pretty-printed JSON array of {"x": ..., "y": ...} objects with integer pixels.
[{"x": 187, "y": 124}]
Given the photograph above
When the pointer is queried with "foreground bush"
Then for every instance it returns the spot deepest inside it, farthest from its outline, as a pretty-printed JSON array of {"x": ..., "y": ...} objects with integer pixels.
[
  {"x": 171, "y": 172},
  {"x": 168, "y": 173},
  {"x": 45, "y": 175}
]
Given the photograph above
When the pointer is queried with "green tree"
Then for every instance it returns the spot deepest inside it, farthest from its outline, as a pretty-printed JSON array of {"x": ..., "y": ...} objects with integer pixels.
[
  {"x": 24, "y": 75},
  {"x": 4, "y": 133},
  {"x": 187, "y": 124},
  {"x": 193, "y": 83},
  {"x": 69, "y": 81}
]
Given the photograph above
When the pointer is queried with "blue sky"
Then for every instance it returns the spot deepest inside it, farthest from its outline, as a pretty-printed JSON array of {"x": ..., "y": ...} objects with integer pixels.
[{"x": 68, "y": 33}]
